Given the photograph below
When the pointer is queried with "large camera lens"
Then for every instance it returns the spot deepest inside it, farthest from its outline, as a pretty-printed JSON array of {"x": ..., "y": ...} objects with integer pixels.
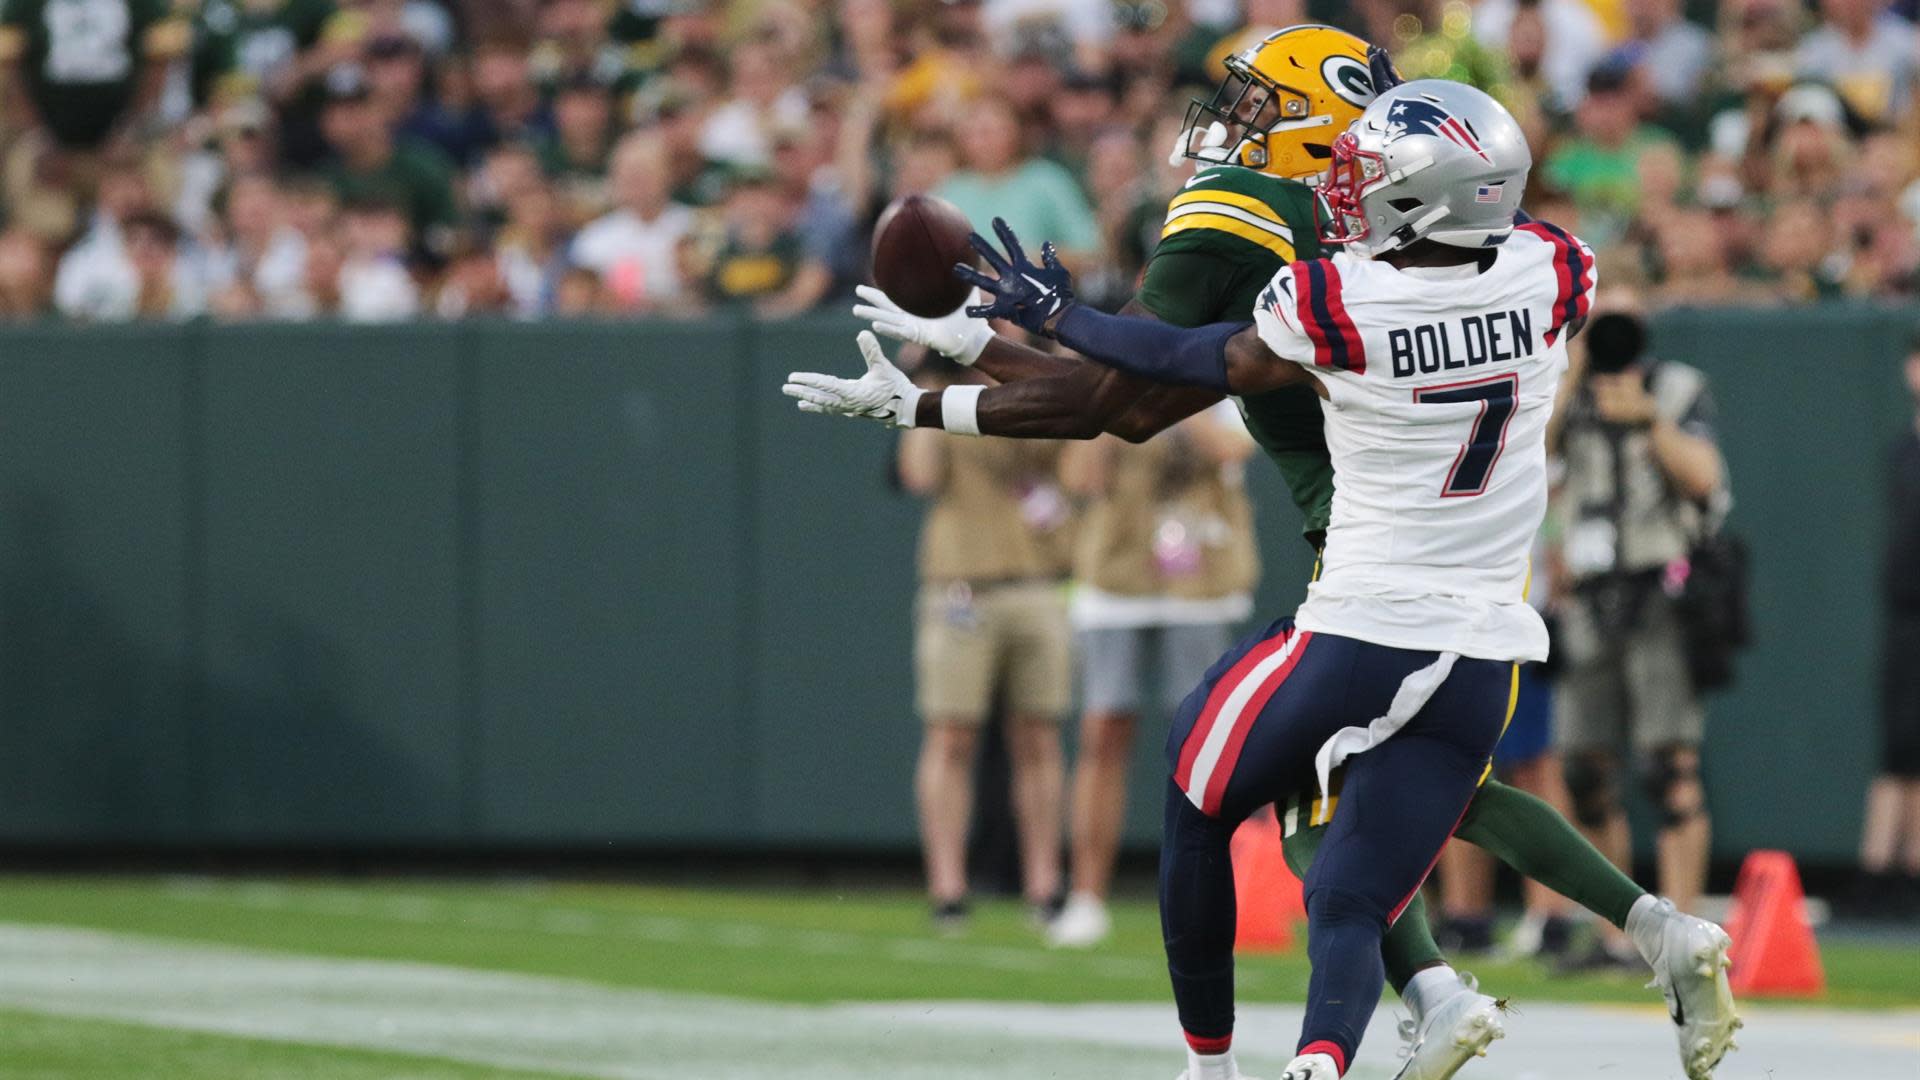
[{"x": 1614, "y": 341}]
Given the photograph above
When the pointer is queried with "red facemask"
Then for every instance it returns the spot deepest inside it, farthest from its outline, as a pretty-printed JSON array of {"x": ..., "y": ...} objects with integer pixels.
[{"x": 1351, "y": 175}]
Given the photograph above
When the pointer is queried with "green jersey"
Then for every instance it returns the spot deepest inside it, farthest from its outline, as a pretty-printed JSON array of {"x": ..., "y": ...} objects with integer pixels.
[
  {"x": 256, "y": 39},
  {"x": 82, "y": 58},
  {"x": 1227, "y": 233}
]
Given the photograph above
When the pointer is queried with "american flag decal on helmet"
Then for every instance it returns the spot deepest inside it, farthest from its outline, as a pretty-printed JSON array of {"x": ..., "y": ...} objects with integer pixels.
[
  {"x": 1418, "y": 116},
  {"x": 1490, "y": 193}
]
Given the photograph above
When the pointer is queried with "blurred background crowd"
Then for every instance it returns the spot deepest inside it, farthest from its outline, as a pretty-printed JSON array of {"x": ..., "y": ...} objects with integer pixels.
[{"x": 392, "y": 159}]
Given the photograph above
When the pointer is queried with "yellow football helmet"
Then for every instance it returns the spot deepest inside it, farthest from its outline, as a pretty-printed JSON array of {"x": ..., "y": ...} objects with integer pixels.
[{"x": 1284, "y": 100}]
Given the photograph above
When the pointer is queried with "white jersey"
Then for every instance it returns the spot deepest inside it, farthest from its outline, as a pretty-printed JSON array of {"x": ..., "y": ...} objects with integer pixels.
[{"x": 1440, "y": 382}]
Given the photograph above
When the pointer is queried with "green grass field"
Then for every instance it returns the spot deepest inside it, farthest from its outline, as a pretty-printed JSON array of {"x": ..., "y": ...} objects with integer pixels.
[{"x": 663, "y": 945}]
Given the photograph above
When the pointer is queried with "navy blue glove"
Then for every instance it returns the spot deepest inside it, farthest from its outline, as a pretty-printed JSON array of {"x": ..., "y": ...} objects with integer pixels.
[
  {"x": 1035, "y": 297},
  {"x": 1380, "y": 65}
]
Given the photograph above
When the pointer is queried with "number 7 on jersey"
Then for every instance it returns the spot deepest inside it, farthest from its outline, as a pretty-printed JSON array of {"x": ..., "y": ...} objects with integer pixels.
[{"x": 1498, "y": 396}]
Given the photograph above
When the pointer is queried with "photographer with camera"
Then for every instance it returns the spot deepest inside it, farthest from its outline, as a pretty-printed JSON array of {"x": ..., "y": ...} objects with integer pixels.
[{"x": 1652, "y": 603}]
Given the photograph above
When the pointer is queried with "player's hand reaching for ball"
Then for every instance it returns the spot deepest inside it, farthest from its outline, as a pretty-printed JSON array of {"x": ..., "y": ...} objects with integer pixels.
[
  {"x": 1032, "y": 296},
  {"x": 884, "y": 393},
  {"x": 956, "y": 335}
]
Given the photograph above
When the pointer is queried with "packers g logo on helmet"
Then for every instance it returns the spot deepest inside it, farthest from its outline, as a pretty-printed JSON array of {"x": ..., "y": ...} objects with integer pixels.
[{"x": 1284, "y": 100}]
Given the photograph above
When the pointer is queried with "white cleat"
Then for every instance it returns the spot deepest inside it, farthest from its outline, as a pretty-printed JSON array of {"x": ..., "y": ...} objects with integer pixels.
[
  {"x": 1311, "y": 1067},
  {"x": 1082, "y": 923},
  {"x": 1188, "y": 1075},
  {"x": 1452, "y": 1033},
  {"x": 1690, "y": 967}
]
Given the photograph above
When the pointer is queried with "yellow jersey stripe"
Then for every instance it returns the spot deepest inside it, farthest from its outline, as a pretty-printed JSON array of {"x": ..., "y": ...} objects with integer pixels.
[
  {"x": 1280, "y": 246},
  {"x": 1513, "y": 702},
  {"x": 1224, "y": 209},
  {"x": 1230, "y": 198}
]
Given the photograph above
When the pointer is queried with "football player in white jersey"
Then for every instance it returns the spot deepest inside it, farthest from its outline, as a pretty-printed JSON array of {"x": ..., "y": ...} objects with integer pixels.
[{"x": 1436, "y": 338}]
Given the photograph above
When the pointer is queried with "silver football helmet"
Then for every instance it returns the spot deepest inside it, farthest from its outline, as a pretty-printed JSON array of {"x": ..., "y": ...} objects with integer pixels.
[{"x": 1429, "y": 159}]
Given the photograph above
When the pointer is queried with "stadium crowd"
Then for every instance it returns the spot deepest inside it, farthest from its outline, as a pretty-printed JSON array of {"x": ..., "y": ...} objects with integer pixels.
[{"x": 391, "y": 159}]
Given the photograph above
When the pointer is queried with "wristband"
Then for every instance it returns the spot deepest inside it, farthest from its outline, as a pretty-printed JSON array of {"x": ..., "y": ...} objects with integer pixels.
[{"x": 959, "y": 409}]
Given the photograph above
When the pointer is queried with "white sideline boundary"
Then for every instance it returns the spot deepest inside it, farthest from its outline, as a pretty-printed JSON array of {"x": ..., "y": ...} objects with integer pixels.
[{"x": 581, "y": 1029}]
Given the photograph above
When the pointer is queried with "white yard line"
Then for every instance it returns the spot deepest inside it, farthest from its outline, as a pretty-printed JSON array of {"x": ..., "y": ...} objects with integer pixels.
[
  {"x": 496, "y": 915},
  {"x": 589, "y": 1030}
]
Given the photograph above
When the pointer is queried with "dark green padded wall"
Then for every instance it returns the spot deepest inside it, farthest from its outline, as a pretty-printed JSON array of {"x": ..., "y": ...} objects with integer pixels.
[
  {"x": 95, "y": 608},
  {"x": 611, "y": 544},
  {"x": 330, "y": 507}
]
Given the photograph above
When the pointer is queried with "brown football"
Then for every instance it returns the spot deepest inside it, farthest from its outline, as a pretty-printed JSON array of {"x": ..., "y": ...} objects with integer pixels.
[{"x": 915, "y": 244}]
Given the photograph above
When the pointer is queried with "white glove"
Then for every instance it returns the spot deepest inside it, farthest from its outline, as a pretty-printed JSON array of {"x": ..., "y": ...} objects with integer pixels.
[
  {"x": 884, "y": 393},
  {"x": 957, "y": 336}
]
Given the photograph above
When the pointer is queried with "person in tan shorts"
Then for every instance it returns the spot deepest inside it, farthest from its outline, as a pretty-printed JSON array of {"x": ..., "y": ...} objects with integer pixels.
[
  {"x": 991, "y": 624},
  {"x": 1164, "y": 567}
]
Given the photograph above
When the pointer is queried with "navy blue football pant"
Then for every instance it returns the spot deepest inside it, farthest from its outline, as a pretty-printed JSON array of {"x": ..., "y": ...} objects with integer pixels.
[{"x": 1248, "y": 736}]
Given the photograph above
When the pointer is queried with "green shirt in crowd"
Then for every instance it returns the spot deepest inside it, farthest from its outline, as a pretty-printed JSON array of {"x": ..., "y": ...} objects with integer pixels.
[
  {"x": 418, "y": 178},
  {"x": 1601, "y": 181},
  {"x": 1039, "y": 199}
]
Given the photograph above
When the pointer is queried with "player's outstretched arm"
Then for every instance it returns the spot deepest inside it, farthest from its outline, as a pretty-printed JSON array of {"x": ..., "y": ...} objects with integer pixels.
[
  {"x": 1224, "y": 357},
  {"x": 1068, "y": 398},
  {"x": 1057, "y": 407}
]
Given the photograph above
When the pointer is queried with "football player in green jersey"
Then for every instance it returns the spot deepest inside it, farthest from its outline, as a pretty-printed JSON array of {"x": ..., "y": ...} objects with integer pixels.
[{"x": 1266, "y": 134}]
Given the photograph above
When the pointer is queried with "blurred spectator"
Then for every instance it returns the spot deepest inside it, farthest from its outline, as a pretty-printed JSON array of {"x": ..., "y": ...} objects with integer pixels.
[
  {"x": 1130, "y": 210},
  {"x": 1691, "y": 265},
  {"x": 1890, "y": 838},
  {"x": 371, "y": 162},
  {"x": 1574, "y": 39},
  {"x": 144, "y": 276},
  {"x": 1868, "y": 53},
  {"x": 575, "y": 155},
  {"x": 1811, "y": 148},
  {"x": 1085, "y": 27},
  {"x": 506, "y": 96},
  {"x": 1644, "y": 483},
  {"x": 262, "y": 269},
  {"x": 451, "y": 116},
  {"x": 577, "y": 293},
  {"x": 88, "y": 71},
  {"x": 759, "y": 254},
  {"x": 99, "y": 254},
  {"x": 1795, "y": 254},
  {"x": 472, "y": 285},
  {"x": 574, "y": 46},
  {"x": 991, "y": 624},
  {"x": 1164, "y": 567},
  {"x": 1053, "y": 113},
  {"x": 949, "y": 63},
  {"x": 1600, "y": 166},
  {"x": 1037, "y": 197},
  {"x": 1077, "y": 113},
  {"x": 635, "y": 247},
  {"x": 696, "y": 180},
  {"x": 761, "y": 95},
  {"x": 531, "y": 251},
  {"x": 396, "y": 76},
  {"x": 373, "y": 283},
  {"x": 831, "y": 255},
  {"x": 25, "y": 271},
  {"x": 1674, "y": 53},
  {"x": 265, "y": 45}
]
